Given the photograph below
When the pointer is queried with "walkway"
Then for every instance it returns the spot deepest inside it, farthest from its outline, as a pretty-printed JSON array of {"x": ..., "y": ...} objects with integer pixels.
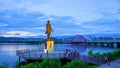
[
  {"x": 38, "y": 54},
  {"x": 114, "y": 64}
]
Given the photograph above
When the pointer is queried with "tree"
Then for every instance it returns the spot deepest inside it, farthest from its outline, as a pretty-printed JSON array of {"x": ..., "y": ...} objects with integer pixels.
[
  {"x": 30, "y": 65},
  {"x": 97, "y": 54},
  {"x": 50, "y": 63},
  {"x": 90, "y": 53},
  {"x": 76, "y": 64},
  {"x": 16, "y": 64}
]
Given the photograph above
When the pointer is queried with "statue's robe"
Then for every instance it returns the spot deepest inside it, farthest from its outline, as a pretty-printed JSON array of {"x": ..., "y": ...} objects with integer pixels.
[{"x": 48, "y": 30}]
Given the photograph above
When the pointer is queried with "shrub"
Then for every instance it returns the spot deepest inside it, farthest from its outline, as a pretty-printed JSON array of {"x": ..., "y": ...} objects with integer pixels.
[
  {"x": 50, "y": 63},
  {"x": 76, "y": 64},
  {"x": 4, "y": 65}
]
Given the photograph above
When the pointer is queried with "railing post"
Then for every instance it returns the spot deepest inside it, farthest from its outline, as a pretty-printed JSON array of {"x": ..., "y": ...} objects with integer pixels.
[
  {"x": 59, "y": 54},
  {"x": 35, "y": 55},
  {"x": 19, "y": 59},
  {"x": 29, "y": 53}
]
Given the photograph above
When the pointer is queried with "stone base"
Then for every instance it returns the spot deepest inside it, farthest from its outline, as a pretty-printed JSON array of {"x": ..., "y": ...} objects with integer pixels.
[{"x": 50, "y": 46}]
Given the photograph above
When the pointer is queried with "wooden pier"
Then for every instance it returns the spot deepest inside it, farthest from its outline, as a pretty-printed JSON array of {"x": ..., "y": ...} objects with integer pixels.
[{"x": 38, "y": 54}]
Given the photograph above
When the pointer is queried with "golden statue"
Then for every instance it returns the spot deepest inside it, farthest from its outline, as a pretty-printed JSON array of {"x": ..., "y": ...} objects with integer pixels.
[
  {"x": 49, "y": 45},
  {"x": 48, "y": 30}
]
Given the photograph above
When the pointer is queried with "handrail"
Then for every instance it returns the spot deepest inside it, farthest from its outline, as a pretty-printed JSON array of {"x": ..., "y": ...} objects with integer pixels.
[{"x": 26, "y": 54}]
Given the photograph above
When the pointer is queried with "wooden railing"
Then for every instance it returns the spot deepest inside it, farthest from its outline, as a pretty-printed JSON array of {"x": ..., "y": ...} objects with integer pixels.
[{"x": 28, "y": 50}]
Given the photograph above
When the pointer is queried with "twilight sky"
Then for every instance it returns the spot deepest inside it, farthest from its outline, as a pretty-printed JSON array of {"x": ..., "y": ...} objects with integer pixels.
[{"x": 19, "y": 18}]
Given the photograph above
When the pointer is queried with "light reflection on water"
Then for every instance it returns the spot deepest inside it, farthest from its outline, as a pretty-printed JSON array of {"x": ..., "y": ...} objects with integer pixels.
[{"x": 8, "y": 52}]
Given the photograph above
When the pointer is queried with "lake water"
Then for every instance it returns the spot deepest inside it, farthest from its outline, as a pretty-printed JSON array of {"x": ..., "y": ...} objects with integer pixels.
[{"x": 8, "y": 51}]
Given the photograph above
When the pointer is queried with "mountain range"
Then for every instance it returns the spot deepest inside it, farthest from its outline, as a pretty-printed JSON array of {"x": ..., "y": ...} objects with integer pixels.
[{"x": 57, "y": 38}]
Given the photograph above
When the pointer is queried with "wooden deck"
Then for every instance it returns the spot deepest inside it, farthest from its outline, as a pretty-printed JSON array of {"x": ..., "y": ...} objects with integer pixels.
[{"x": 38, "y": 54}]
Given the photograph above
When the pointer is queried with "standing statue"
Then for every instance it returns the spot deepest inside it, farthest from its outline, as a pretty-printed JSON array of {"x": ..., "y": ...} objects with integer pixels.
[
  {"x": 49, "y": 45},
  {"x": 48, "y": 30}
]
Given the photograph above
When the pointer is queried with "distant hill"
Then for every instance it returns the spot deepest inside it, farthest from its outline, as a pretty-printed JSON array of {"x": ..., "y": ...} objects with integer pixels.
[
  {"x": 105, "y": 35},
  {"x": 18, "y": 39},
  {"x": 63, "y": 36},
  {"x": 56, "y": 38}
]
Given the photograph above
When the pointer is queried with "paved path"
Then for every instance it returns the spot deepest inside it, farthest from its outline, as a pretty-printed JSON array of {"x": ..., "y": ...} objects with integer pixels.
[{"x": 114, "y": 64}]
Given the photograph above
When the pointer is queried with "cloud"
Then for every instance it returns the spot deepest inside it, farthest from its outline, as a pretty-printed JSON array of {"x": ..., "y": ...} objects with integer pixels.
[
  {"x": 78, "y": 9},
  {"x": 39, "y": 28},
  {"x": 19, "y": 34},
  {"x": 66, "y": 16},
  {"x": 102, "y": 26},
  {"x": 3, "y": 24},
  {"x": 82, "y": 10}
]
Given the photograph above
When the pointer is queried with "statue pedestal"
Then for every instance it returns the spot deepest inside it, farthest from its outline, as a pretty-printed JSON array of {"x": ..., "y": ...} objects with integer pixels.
[{"x": 49, "y": 46}]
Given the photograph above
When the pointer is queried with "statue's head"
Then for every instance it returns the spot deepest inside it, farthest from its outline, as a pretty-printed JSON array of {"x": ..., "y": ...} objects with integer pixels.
[{"x": 48, "y": 21}]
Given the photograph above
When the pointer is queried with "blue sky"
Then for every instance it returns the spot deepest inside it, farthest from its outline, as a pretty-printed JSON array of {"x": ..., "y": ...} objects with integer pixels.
[{"x": 21, "y": 18}]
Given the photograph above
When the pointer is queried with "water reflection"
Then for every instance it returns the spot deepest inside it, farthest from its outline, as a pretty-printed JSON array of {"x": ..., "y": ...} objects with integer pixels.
[
  {"x": 10, "y": 48},
  {"x": 7, "y": 48}
]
